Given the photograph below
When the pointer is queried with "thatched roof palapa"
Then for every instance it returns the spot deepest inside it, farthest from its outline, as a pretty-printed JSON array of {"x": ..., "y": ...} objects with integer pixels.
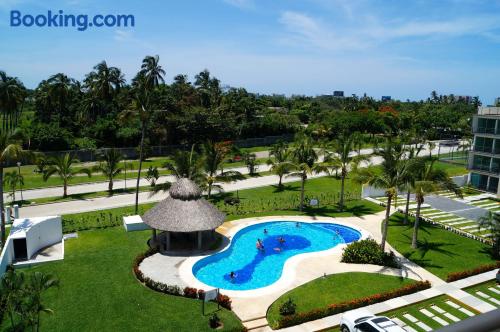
[{"x": 185, "y": 210}]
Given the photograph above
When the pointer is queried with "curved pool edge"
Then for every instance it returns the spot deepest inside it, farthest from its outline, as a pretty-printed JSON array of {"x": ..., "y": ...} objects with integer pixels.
[{"x": 290, "y": 266}]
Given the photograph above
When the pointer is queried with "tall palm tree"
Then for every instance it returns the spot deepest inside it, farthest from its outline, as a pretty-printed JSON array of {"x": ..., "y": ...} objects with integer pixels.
[
  {"x": 214, "y": 155},
  {"x": 11, "y": 288},
  {"x": 390, "y": 178},
  {"x": 12, "y": 96},
  {"x": 491, "y": 222},
  {"x": 152, "y": 71},
  {"x": 409, "y": 178},
  {"x": 63, "y": 166},
  {"x": 59, "y": 91},
  {"x": 279, "y": 161},
  {"x": 10, "y": 150},
  {"x": 104, "y": 81},
  {"x": 304, "y": 163},
  {"x": 110, "y": 166},
  {"x": 12, "y": 180},
  {"x": 341, "y": 158},
  {"x": 39, "y": 283},
  {"x": 428, "y": 180}
]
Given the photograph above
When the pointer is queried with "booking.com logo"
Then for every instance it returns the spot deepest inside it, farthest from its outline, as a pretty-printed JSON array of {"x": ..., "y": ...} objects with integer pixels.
[{"x": 59, "y": 19}]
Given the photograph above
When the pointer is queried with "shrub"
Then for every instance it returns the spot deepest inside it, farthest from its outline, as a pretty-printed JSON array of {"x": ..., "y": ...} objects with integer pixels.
[
  {"x": 467, "y": 273},
  {"x": 336, "y": 308},
  {"x": 214, "y": 321},
  {"x": 224, "y": 301},
  {"x": 368, "y": 252},
  {"x": 288, "y": 307},
  {"x": 192, "y": 293},
  {"x": 201, "y": 294}
]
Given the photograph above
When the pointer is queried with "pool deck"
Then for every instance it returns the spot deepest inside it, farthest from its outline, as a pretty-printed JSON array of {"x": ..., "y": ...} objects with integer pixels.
[{"x": 251, "y": 306}]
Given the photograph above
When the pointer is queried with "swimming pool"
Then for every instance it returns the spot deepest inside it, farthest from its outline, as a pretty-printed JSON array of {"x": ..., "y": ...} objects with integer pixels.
[{"x": 254, "y": 268}]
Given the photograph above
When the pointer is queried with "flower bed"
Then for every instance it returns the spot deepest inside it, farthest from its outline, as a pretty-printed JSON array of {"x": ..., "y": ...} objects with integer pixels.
[
  {"x": 336, "y": 308},
  {"x": 467, "y": 273},
  {"x": 189, "y": 292}
]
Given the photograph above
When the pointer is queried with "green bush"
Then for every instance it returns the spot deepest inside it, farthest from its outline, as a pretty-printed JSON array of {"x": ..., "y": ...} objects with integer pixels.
[
  {"x": 368, "y": 252},
  {"x": 288, "y": 307}
]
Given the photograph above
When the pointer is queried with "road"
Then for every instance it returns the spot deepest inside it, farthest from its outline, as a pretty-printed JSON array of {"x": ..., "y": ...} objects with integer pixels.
[{"x": 100, "y": 203}]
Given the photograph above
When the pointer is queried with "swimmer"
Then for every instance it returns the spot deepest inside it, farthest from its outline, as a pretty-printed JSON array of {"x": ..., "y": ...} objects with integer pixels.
[
  {"x": 265, "y": 230},
  {"x": 277, "y": 249},
  {"x": 232, "y": 275},
  {"x": 297, "y": 224},
  {"x": 281, "y": 240}
]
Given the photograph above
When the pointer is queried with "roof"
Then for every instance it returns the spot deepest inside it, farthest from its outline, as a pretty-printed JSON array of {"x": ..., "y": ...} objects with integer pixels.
[
  {"x": 21, "y": 226},
  {"x": 185, "y": 210}
]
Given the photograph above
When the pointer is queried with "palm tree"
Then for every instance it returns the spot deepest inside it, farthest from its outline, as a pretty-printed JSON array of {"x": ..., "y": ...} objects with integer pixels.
[
  {"x": 109, "y": 166},
  {"x": 491, "y": 222},
  {"x": 428, "y": 180},
  {"x": 146, "y": 81},
  {"x": 250, "y": 160},
  {"x": 390, "y": 178},
  {"x": 12, "y": 180},
  {"x": 11, "y": 288},
  {"x": 12, "y": 96},
  {"x": 152, "y": 175},
  {"x": 409, "y": 178},
  {"x": 104, "y": 81},
  {"x": 303, "y": 162},
  {"x": 63, "y": 166},
  {"x": 279, "y": 161},
  {"x": 341, "y": 158},
  {"x": 10, "y": 150},
  {"x": 39, "y": 283},
  {"x": 214, "y": 155}
]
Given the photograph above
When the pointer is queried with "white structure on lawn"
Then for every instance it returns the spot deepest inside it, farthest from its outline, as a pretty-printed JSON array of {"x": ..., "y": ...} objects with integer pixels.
[{"x": 29, "y": 236}]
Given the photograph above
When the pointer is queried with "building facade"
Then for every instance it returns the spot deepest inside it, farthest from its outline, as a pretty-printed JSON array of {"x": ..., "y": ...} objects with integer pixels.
[{"x": 484, "y": 157}]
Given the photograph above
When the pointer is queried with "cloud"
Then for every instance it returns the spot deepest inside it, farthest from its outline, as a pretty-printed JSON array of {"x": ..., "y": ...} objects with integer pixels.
[
  {"x": 305, "y": 30},
  {"x": 242, "y": 4}
]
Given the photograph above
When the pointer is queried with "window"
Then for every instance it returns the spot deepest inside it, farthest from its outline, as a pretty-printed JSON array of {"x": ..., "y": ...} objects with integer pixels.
[
  {"x": 495, "y": 165},
  {"x": 481, "y": 163},
  {"x": 483, "y": 144},
  {"x": 493, "y": 185},
  {"x": 486, "y": 126},
  {"x": 479, "y": 181},
  {"x": 365, "y": 327}
]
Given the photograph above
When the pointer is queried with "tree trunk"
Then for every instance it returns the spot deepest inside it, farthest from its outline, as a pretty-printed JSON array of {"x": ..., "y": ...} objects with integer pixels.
[
  {"x": 407, "y": 208},
  {"x": 415, "y": 226},
  {"x": 209, "y": 190},
  {"x": 2, "y": 212},
  {"x": 140, "y": 167},
  {"x": 110, "y": 186},
  {"x": 302, "y": 185},
  {"x": 65, "y": 188},
  {"x": 342, "y": 193},
  {"x": 280, "y": 183},
  {"x": 386, "y": 222}
]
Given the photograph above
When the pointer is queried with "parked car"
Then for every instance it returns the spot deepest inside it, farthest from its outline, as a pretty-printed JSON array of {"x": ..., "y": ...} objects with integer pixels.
[{"x": 362, "y": 320}]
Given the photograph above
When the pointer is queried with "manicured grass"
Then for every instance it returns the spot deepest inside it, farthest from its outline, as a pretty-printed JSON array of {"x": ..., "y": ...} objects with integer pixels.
[
  {"x": 440, "y": 251},
  {"x": 439, "y": 301},
  {"x": 336, "y": 288},
  {"x": 486, "y": 289},
  {"x": 254, "y": 202},
  {"x": 451, "y": 169},
  {"x": 98, "y": 290}
]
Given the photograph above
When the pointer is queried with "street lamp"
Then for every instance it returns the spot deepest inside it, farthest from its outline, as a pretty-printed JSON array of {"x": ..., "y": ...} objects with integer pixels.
[{"x": 21, "y": 183}]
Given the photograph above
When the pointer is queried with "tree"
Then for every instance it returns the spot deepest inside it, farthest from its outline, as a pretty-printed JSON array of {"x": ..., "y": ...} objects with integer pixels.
[
  {"x": 279, "y": 161},
  {"x": 104, "y": 82},
  {"x": 214, "y": 155},
  {"x": 341, "y": 158},
  {"x": 491, "y": 222},
  {"x": 63, "y": 166},
  {"x": 146, "y": 81},
  {"x": 304, "y": 163},
  {"x": 250, "y": 160},
  {"x": 12, "y": 96},
  {"x": 11, "y": 289},
  {"x": 12, "y": 180},
  {"x": 109, "y": 166},
  {"x": 10, "y": 150},
  {"x": 390, "y": 178},
  {"x": 152, "y": 175},
  {"x": 428, "y": 180},
  {"x": 409, "y": 177},
  {"x": 38, "y": 284}
]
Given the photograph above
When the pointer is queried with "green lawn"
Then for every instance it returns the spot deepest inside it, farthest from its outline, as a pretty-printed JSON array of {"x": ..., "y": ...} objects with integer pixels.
[
  {"x": 98, "y": 291},
  {"x": 441, "y": 251},
  {"x": 254, "y": 202},
  {"x": 335, "y": 288},
  {"x": 451, "y": 169},
  {"x": 486, "y": 288}
]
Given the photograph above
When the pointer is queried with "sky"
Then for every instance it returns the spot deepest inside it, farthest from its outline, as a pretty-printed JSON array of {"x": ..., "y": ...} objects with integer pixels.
[{"x": 404, "y": 49}]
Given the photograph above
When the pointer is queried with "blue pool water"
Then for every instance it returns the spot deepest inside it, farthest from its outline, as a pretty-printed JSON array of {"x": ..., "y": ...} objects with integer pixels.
[{"x": 259, "y": 268}]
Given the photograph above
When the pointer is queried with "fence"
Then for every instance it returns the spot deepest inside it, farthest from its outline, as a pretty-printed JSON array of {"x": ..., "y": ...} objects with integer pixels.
[{"x": 163, "y": 150}]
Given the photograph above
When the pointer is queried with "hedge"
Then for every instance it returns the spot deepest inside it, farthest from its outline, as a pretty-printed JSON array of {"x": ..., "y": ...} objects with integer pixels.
[
  {"x": 189, "y": 292},
  {"x": 467, "y": 273},
  {"x": 332, "y": 309}
]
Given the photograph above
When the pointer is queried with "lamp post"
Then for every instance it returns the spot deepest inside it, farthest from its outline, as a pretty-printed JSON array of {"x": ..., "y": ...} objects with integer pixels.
[
  {"x": 125, "y": 162},
  {"x": 21, "y": 183}
]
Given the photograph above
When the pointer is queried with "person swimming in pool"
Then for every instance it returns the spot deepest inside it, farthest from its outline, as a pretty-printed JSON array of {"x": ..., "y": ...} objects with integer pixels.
[
  {"x": 281, "y": 240},
  {"x": 297, "y": 224},
  {"x": 265, "y": 230},
  {"x": 259, "y": 245},
  {"x": 232, "y": 275}
]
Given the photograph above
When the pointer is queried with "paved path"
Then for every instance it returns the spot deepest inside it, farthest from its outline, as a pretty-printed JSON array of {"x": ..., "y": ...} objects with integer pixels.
[
  {"x": 100, "y": 203},
  {"x": 464, "y": 210}
]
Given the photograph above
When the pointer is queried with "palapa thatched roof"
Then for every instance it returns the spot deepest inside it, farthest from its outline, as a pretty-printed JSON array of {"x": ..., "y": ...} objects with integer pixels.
[{"x": 184, "y": 210}]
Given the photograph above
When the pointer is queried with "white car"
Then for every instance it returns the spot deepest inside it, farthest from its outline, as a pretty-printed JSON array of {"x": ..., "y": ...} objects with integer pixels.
[{"x": 362, "y": 320}]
